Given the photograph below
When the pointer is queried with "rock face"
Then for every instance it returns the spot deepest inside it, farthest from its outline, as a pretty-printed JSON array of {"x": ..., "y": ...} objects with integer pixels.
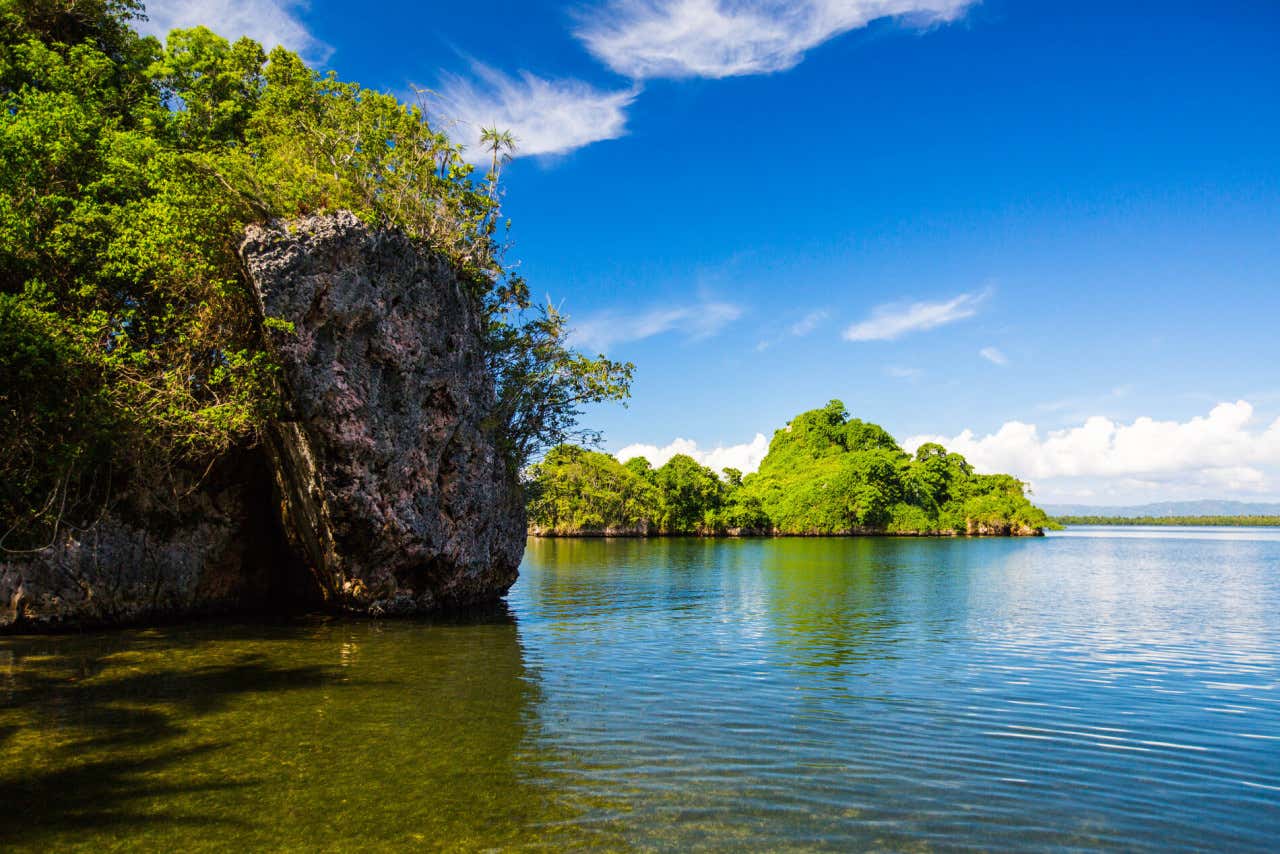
[
  {"x": 392, "y": 485},
  {"x": 381, "y": 491},
  {"x": 1001, "y": 529},
  {"x": 201, "y": 543}
]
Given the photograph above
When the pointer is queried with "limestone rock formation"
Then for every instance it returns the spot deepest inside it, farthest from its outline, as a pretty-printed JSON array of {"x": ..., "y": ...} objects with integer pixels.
[
  {"x": 381, "y": 490},
  {"x": 191, "y": 544},
  {"x": 393, "y": 488}
]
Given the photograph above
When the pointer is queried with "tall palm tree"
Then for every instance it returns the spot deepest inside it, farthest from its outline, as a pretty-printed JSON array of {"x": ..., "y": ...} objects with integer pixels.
[{"x": 501, "y": 143}]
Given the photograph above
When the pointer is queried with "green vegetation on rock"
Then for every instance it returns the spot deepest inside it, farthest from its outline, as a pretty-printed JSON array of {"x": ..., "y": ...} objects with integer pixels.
[
  {"x": 824, "y": 474},
  {"x": 131, "y": 345}
]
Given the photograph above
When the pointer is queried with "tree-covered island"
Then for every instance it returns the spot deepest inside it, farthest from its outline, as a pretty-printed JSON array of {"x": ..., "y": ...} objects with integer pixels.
[{"x": 825, "y": 474}]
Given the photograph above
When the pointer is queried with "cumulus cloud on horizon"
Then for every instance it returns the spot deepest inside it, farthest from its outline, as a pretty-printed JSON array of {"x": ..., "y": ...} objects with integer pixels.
[
  {"x": 1223, "y": 452},
  {"x": 644, "y": 39},
  {"x": 745, "y": 457},
  {"x": 269, "y": 22},
  {"x": 546, "y": 116},
  {"x": 893, "y": 320}
]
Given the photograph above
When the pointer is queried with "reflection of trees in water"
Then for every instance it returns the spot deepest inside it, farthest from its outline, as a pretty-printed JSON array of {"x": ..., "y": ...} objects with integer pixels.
[
  {"x": 578, "y": 578},
  {"x": 833, "y": 602},
  {"x": 843, "y": 600},
  {"x": 309, "y": 735}
]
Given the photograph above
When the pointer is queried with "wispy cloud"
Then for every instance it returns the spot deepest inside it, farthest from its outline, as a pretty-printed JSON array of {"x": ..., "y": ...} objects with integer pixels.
[
  {"x": 894, "y": 320},
  {"x": 1220, "y": 451},
  {"x": 745, "y": 457},
  {"x": 724, "y": 38},
  {"x": 545, "y": 116},
  {"x": 695, "y": 321},
  {"x": 808, "y": 323},
  {"x": 270, "y": 22},
  {"x": 994, "y": 356},
  {"x": 899, "y": 372},
  {"x": 802, "y": 327}
]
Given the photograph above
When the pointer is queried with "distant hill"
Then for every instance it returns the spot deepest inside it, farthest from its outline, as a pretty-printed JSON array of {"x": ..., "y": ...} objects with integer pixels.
[{"x": 1208, "y": 507}]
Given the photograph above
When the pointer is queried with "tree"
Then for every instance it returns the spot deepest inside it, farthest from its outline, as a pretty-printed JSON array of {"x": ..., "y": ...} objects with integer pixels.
[
  {"x": 542, "y": 385},
  {"x": 575, "y": 490},
  {"x": 689, "y": 495},
  {"x": 501, "y": 144}
]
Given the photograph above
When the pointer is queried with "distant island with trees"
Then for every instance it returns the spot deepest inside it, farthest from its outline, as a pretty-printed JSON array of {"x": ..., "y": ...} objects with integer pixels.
[
  {"x": 1202, "y": 521},
  {"x": 825, "y": 474}
]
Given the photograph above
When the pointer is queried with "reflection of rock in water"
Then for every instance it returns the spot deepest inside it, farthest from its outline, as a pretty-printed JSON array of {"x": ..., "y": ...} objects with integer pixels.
[{"x": 315, "y": 735}]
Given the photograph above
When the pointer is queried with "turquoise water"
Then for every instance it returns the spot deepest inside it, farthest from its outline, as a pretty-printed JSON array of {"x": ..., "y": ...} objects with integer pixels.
[{"x": 1101, "y": 688}]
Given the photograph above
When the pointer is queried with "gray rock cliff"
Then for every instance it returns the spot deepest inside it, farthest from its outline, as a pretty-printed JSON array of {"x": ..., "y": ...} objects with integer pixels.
[
  {"x": 194, "y": 543},
  {"x": 381, "y": 490},
  {"x": 392, "y": 484}
]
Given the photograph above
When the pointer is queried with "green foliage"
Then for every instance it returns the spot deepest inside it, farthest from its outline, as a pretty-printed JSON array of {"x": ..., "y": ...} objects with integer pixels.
[
  {"x": 130, "y": 170},
  {"x": 690, "y": 495},
  {"x": 542, "y": 384},
  {"x": 824, "y": 474},
  {"x": 573, "y": 490}
]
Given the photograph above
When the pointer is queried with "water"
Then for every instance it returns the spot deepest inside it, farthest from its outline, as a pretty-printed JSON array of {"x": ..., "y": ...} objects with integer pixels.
[{"x": 1104, "y": 688}]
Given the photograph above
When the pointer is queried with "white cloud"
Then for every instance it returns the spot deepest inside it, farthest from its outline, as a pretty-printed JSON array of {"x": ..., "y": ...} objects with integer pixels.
[
  {"x": 1220, "y": 452},
  {"x": 994, "y": 356},
  {"x": 545, "y": 116},
  {"x": 808, "y": 323},
  {"x": 888, "y": 322},
  {"x": 269, "y": 22},
  {"x": 745, "y": 457},
  {"x": 599, "y": 332},
  {"x": 899, "y": 372},
  {"x": 724, "y": 38}
]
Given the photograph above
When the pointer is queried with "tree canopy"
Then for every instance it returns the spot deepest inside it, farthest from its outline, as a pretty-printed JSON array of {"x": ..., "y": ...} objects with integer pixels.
[
  {"x": 825, "y": 473},
  {"x": 130, "y": 342}
]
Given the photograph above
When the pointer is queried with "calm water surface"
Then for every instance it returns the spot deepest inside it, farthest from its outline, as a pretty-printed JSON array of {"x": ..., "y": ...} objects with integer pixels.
[{"x": 1103, "y": 688}]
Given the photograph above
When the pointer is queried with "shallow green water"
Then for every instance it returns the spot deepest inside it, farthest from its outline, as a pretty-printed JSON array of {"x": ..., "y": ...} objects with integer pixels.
[{"x": 1112, "y": 688}]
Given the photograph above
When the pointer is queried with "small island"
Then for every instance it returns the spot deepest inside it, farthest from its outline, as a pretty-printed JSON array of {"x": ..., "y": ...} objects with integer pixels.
[{"x": 826, "y": 474}]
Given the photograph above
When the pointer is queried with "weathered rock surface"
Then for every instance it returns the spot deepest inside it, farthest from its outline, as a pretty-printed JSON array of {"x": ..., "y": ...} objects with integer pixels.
[
  {"x": 392, "y": 484},
  {"x": 382, "y": 490},
  {"x": 1001, "y": 529},
  {"x": 161, "y": 551}
]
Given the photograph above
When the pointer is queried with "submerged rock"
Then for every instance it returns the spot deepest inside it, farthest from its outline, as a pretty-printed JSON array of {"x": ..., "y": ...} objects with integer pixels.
[{"x": 392, "y": 484}]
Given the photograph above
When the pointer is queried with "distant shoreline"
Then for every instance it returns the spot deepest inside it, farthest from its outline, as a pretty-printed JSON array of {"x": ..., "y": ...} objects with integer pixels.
[
  {"x": 734, "y": 534},
  {"x": 1165, "y": 521}
]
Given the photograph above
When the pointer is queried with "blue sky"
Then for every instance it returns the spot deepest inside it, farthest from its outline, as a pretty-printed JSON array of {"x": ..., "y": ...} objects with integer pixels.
[{"x": 954, "y": 216}]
